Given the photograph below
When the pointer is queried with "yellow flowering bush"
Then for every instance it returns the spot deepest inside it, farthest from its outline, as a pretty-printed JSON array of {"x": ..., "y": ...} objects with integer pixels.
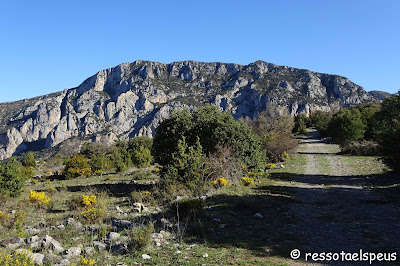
[
  {"x": 285, "y": 155},
  {"x": 247, "y": 181},
  {"x": 88, "y": 200},
  {"x": 85, "y": 262},
  {"x": 255, "y": 175},
  {"x": 219, "y": 182},
  {"x": 92, "y": 215},
  {"x": 270, "y": 165},
  {"x": 39, "y": 198},
  {"x": 17, "y": 259},
  {"x": 48, "y": 181}
]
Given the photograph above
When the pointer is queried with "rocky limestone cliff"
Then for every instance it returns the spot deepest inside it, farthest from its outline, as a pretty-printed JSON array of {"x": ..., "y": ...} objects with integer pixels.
[{"x": 131, "y": 99}]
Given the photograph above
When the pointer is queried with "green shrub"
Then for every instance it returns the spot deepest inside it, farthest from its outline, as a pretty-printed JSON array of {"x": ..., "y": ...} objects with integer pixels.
[
  {"x": 29, "y": 160},
  {"x": 12, "y": 177},
  {"x": 301, "y": 123},
  {"x": 142, "y": 157},
  {"x": 189, "y": 209},
  {"x": 77, "y": 166},
  {"x": 187, "y": 167},
  {"x": 387, "y": 131},
  {"x": 346, "y": 126},
  {"x": 213, "y": 128},
  {"x": 89, "y": 149},
  {"x": 320, "y": 120},
  {"x": 120, "y": 159},
  {"x": 99, "y": 163},
  {"x": 137, "y": 142},
  {"x": 140, "y": 236}
]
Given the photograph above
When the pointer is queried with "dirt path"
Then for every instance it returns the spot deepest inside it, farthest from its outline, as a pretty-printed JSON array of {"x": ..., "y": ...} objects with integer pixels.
[{"x": 335, "y": 211}]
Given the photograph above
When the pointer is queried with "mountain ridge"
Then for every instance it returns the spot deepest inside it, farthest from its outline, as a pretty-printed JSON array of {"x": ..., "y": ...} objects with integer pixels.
[{"x": 131, "y": 99}]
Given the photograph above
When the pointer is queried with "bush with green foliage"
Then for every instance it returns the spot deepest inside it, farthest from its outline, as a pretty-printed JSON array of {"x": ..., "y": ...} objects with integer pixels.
[
  {"x": 12, "y": 177},
  {"x": 140, "y": 236},
  {"x": 301, "y": 123},
  {"x": 137, "y": 142},
  {"x": 142, "y": 157},
  {"x": 29, "y": 160},
  {"x": 387, "y": 131},
  {"x": 187, "y": 167},
  {"x": 76, "y": 166},
  {"x": 91, "y": 148},
  {"x": 320, "y": 120},
  {"x": 367, "y": 112},
  {"x": 99, "y": 163},
  {"x": 346, "y": 127},
  {"x": 213, "y": 127}
]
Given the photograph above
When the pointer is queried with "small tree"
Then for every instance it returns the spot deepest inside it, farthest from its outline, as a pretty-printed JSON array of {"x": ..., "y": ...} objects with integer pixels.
[
  {"x": 77, "y": 166},
  {"x": 142, "y": 157},
  {"x": 99, "y": 163},
  {"x": 187, "y": 167},
  {"x": 135, "y": 143},
  {"x": 300, "y": 124},
  {"x": 29, "y": 160},
  {"x": 12, "y": 178},
  {"x": 387, "y": 131},
  {"x": 320, "y": 120},
  {"x": 346, "y": 127}
]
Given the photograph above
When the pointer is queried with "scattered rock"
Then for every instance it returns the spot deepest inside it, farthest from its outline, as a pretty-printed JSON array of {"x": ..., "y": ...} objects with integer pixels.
[
  {"x": 258, "y": 215},
  {"x": 37, "y": 258},
  {"x": 73, "y": 252},
  {"x": 157, "y": 236},
  {"x": 99, "y": 245},
  {"x": 61, "y": 226},
  {"x": 119, "y": 248},
  {"x": 63, "y": 262},
  {"x": 166, "y": 234},
  {"x": 48, "y": 242},
  {"x": 112, "y": 237},
  {"x": 179, "y": 198},
  {"x": 13, "y": 243},
  {"x": 88, "y": 250},
  {"x": 205, "y": 255},
  {"x": 71, "y": 222},
  {"x": 31, "y": 230},
  {"x": 32, "y": 239},
  {"x": 80, "y": 229},
  {"x": 139, "y": 207},
  {"x": 146, "y": 257},
  {"x": 120, "y": 225}
]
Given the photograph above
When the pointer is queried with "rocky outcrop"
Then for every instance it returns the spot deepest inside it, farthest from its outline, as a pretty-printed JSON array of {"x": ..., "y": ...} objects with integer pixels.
[{"x": 131, "y": 99}]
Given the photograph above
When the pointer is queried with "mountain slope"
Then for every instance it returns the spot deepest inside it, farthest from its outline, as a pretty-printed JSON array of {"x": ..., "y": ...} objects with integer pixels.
[{"x": 132, "y": 98}]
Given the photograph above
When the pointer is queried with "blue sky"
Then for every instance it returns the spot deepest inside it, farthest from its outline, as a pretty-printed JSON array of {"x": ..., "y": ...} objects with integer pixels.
[{"x": 47, "y": 46}]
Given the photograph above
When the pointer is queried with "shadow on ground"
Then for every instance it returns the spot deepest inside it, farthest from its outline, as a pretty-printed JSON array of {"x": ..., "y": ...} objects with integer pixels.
[{"x": 331, "y": 219}]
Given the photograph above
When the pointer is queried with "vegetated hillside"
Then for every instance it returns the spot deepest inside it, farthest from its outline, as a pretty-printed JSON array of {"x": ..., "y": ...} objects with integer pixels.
[{"x": 132, "y": 98}]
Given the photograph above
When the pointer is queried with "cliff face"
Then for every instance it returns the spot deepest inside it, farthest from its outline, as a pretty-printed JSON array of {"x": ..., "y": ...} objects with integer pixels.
[{"x": 132, "y": 98}]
